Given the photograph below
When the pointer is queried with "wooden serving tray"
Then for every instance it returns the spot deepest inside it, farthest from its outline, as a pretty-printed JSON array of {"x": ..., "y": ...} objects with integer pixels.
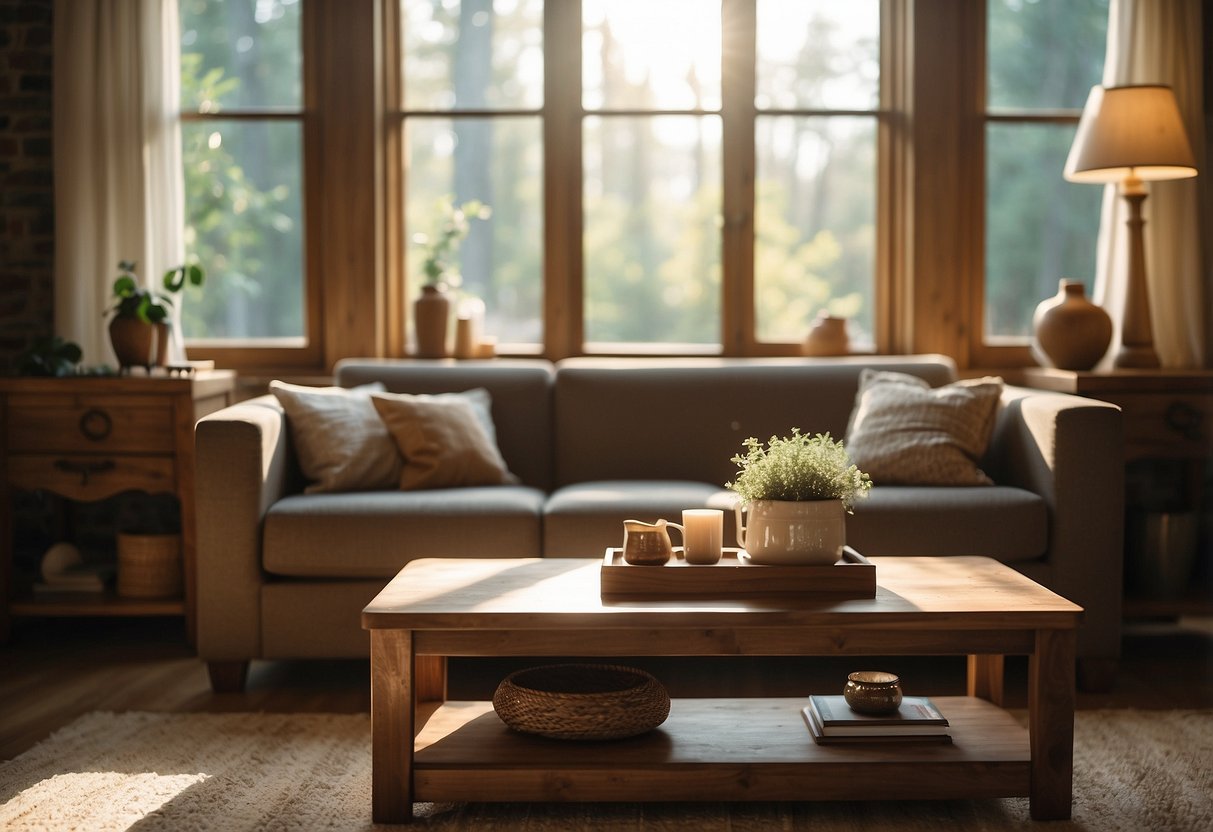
[{"x": 853, "y": 576}]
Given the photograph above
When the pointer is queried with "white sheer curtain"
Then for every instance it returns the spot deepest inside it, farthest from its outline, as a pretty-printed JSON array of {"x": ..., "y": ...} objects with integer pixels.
[
  {"x": 1159, "y": 42},
  {"x": 118, "y": 179}
]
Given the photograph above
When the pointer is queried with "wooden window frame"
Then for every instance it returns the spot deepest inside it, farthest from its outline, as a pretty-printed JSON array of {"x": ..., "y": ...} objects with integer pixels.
[
  {"x": 344, "y": 201},
  {"x": 930, "y": 202}
]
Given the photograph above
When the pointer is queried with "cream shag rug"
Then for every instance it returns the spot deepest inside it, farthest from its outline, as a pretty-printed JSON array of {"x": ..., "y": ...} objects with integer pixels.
[{"x": 1133, "y": 770}]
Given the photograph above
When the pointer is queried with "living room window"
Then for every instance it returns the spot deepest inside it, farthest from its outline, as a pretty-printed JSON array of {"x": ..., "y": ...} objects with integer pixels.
[
  {"x": 1042, "y": 58},
  {"x": 243, "y": 153},
  {"x": 689, "y": 176}
]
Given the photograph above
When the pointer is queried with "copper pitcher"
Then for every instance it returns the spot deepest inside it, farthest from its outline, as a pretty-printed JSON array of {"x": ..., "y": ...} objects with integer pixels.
[{"x": 647, "y": 544}]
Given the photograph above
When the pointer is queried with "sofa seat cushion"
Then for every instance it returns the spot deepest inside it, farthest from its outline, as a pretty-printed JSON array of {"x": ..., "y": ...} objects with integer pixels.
[
  {"x": 583, "y": 520},
  {"x": 374, "y": 534},
  {"x": 1008, "y": 524}
]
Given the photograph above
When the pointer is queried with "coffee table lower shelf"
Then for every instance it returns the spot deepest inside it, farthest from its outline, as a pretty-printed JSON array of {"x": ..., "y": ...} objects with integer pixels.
[{"x": 715, "y": 750}]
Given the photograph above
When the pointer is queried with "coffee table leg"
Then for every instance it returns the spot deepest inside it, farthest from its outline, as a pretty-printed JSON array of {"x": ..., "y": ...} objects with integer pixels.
[
  {"x": 1051, "y": 723},
  {"x": 986, "y": 678},
  {"x": 392, "y": 716}
]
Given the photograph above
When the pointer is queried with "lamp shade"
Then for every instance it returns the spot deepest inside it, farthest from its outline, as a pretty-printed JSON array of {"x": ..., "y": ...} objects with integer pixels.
[{"x": 1130, "y": 131}]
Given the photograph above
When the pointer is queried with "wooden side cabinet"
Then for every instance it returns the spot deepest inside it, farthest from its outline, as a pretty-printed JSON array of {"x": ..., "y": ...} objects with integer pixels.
[
  {"x": 1168, "y": 416},
  {"x": 88, "y": 438}
]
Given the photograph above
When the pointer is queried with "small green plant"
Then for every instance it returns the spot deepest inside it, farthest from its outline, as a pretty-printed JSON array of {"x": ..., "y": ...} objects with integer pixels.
[
  {"x": 440, "y": 249},
  {"x": 132, "y": 300},
  {"x": 798, "y": 467},
  {"x": 49, "y": 356}
]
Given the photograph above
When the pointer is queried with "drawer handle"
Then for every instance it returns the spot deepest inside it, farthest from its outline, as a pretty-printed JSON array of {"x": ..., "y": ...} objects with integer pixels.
[
  {"x": 1185, "y": 420},
  {"x": 84, "y": 469},
  {"x": 96, "y": 424}
]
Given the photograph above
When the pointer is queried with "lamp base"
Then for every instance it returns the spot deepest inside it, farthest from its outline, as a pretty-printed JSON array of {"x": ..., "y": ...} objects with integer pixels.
[{"x": 1136, "y": 358}]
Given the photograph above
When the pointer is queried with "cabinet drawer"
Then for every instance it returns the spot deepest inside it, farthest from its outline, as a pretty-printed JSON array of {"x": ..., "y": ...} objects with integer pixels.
[
  {"x": 1167, "y": 425},
  {"x": 85, "y": 477},
  {"x": 84, "y": 424}
]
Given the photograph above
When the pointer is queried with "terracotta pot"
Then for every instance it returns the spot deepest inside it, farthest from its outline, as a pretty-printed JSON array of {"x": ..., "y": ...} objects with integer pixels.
[
  {"x": 827, "y": 336},
  {"x": 804, "y": 532},
  {"x": 134, "y": 342},
  {"x": 1070, "y": 332},
  {"x": 431, "y": 316}
]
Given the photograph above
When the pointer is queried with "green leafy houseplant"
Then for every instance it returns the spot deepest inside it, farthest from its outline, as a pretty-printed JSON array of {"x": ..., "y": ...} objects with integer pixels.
[
  {"x": 798, "y": 467},
  {"x": 132, "y": 300},
  {"x": 139, "y": 327},
  {"x": 49, "y": 356},
  {"x": 440, "y": 249}
]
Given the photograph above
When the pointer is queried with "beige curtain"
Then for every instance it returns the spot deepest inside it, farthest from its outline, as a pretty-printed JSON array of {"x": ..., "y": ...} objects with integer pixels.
[
  {"x": 118, "y": 180},
  {"x": 1159, "y": 42}
]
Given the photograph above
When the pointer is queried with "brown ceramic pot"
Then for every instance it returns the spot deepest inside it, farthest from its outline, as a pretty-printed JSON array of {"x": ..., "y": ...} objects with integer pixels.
[
  {"x": 431, "y": 316},
  {"x": 1071, "y": 333},
  {"x": 827, "y": 336},
  {"x": 134, "y": 342}
]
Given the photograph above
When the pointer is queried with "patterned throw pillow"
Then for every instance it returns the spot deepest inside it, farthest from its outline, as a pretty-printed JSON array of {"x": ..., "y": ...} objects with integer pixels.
[
  {"x": 902, "y": 431},
  {"x": 339, "y": 439}
]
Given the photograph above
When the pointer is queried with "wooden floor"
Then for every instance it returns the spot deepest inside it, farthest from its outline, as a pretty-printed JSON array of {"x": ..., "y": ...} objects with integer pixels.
[{"x": 54, "y": 670}]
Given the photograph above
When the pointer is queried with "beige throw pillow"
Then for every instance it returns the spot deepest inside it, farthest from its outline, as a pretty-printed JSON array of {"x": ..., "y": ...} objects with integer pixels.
[
  {"x": 443, "y": 442},
  {"x": 903, "y": 431},
  {"x": 339, "y": 439}
]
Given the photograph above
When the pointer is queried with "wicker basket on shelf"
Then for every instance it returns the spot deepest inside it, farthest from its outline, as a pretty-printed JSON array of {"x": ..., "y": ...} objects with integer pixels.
[
  {"x": 149, "y": 565},
  {"x": 582, "y": 701}
]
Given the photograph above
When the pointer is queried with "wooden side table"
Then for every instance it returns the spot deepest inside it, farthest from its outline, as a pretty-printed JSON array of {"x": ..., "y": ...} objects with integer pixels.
[
  {"x": 87, "y": 438},
  {"x": 1168, "y": 415}
]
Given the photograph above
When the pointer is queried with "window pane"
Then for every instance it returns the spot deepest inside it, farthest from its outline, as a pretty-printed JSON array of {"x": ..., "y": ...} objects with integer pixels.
[
  {"x": 244, "y": 223},
  {"x": 1039, "y": 228},
  {"x": 818, "y": 54},
  {"x": 474, "y": 54},
  {"x": 240, "y": 54},
  {"x": 815, "y": 221},
  {"x": 652, "y": 232},
  {"x": 499, "y": 162},
  {"x": 640, "y": 54},
  {"x": 1045, "y": 54}
]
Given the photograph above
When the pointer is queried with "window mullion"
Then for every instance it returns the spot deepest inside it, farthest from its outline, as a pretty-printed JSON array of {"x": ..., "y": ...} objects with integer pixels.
[
  {"x": 563, "y": 262},
  {"x": 737, "y": 111}
]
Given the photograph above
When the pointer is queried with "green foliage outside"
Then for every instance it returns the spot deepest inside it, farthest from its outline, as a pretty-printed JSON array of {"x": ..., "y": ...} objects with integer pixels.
[
  {"x": 1042, "y": 55},
  {"x": 243, "y": 185}
]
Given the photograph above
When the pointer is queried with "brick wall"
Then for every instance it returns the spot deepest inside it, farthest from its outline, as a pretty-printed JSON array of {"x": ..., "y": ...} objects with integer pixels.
[{"x": 27, "y": 220}]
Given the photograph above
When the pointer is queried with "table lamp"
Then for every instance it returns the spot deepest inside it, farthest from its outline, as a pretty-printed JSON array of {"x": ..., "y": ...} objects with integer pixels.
[{"x": 1130, "y": 135}]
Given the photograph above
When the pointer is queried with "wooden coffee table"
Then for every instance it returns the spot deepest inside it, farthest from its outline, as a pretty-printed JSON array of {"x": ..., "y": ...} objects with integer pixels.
[{"x": 715, "y": 749}]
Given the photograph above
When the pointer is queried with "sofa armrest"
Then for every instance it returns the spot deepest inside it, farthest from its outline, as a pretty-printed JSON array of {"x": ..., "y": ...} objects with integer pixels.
[
  {"x": 242, "y": 469},
  {"x": 1069, "y": 450}
]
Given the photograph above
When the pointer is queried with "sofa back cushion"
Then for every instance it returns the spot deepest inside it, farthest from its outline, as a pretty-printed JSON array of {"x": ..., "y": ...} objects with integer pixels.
[
  {"x": 521, "y": 392},
  {"x": 686, "y": 418}
]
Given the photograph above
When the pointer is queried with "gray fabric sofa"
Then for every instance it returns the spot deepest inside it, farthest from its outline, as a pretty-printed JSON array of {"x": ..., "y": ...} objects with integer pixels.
[{"x": 282, "y": 574}]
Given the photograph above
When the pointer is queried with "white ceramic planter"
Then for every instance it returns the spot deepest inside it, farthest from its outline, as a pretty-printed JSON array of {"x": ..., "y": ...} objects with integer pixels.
[{"x": 810, "y": 532}]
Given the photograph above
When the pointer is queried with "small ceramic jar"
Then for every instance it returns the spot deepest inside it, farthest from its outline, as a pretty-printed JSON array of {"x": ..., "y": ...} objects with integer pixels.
[{"x": 873, "y": 692}]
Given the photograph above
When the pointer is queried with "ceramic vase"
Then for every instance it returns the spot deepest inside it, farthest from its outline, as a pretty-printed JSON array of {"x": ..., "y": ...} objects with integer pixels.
[
  {"x": 431, "y": 317},
  {"x": 137, "y": 343},
  {"x": 1070, "y": 332},
  {"x": 808, "y": 532},
  {"x": 827, "y": 336}
]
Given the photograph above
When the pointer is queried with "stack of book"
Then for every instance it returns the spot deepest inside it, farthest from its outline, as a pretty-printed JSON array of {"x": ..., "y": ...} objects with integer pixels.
[{"x": 831, "y": 720}]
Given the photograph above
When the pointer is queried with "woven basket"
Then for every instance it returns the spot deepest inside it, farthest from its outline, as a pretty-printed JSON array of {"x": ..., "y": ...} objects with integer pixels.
[
  {"x": 582, "y": 701},
  {"x": 149, "y": 565}
]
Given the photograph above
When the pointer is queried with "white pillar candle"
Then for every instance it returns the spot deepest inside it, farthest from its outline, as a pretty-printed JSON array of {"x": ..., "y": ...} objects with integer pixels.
[{"x": 703, "y": 534}]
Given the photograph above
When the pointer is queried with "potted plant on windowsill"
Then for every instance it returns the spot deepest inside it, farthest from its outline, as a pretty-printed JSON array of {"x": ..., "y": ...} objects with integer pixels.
[
  {"x": 797, "y": 490},
  {"x": 432, "y": 310},
  {"x": 139, "y": 328}
]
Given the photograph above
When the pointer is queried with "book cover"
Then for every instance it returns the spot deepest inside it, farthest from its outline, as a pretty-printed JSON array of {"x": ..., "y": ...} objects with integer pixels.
[
  {"x": 916, "y": 716},
  {"x": 820, "y": 738}
]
